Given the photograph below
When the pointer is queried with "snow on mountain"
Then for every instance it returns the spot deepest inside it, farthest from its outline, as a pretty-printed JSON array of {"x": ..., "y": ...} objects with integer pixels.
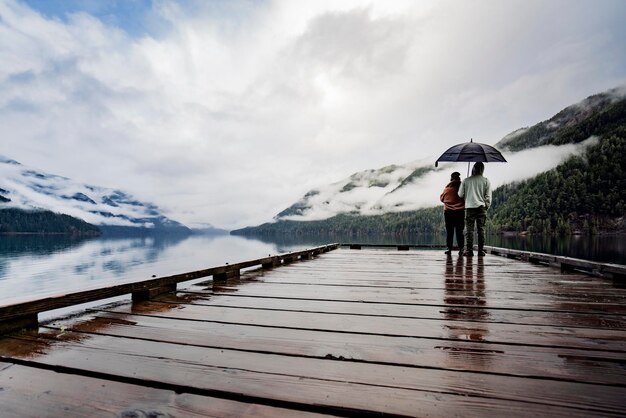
[
  {"x": 25, "y": 188},
  {"x": 418, "y": 184}
]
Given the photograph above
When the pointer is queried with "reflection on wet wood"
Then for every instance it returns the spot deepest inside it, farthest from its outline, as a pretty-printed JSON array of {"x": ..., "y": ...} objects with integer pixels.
[
  {"x": 26, "y": 392},
  {"x": 409, "y": 333}
]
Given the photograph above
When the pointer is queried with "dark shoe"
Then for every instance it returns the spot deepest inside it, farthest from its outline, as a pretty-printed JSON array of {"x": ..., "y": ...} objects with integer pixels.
[
  {"x": 461, "y": 251},
  {"x": 448, "y": 252},
  {"x": 469, "y": 253},
  {"x": 481, "y": 253}
]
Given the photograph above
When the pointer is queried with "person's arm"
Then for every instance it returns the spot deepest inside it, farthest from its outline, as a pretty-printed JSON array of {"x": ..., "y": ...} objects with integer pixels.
[
  {"x": 462, "y": 190},
  {"x": 487, "y": 193}
]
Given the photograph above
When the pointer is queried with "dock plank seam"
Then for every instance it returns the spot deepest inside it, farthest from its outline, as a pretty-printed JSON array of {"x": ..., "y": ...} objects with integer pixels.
[
  {"x": 361, "y": 361},
  {"x": 178, "y": 388}
]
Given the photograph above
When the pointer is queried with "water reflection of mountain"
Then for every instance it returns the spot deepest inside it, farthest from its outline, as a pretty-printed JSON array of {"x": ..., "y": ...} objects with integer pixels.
[
  {"x": 287, "y": 240},
  {"x": 31, "y": 265},
  {"x": 14, "y": 245},
  {"x": 602, "y": 248}
]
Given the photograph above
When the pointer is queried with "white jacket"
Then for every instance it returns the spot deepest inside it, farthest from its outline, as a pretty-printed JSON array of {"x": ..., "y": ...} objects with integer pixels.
[{"x": 476, "y": 190}]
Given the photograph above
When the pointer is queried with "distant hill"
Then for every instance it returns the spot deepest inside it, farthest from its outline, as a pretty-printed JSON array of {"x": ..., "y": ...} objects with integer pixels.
[
  {"x": 584, "y": 193},
  {"x": 27, "y": 191},
  {"x": 364, "y": 193}
]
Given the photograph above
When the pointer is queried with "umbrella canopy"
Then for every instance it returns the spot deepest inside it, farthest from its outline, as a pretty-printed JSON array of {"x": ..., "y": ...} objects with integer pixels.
[{"x": 471, "y": 152}]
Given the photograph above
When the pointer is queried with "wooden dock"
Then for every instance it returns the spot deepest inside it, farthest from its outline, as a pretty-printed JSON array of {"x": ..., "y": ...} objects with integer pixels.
[{"x": 348, "y": 332}]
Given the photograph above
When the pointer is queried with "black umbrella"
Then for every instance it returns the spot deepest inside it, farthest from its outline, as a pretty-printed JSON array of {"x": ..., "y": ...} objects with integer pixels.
[{"x": 471, "y": 152}]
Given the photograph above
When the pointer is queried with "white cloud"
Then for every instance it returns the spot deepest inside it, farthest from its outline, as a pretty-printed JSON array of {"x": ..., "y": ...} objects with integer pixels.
[
  {"x": 232, "y": 110},
  {"x": 374, "y": 192}
]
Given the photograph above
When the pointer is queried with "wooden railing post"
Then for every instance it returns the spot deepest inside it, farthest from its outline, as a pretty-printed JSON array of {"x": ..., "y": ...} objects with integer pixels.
[
  {"x": 271, "y": 263},
  {"x": 16, "y": 323},
  {"x": 229, "y": 272},
  {"x": 149, "y": 294}
]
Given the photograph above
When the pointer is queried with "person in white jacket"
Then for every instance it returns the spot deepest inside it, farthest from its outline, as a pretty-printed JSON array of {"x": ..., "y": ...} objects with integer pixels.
[{"x": 476, "y": 190}]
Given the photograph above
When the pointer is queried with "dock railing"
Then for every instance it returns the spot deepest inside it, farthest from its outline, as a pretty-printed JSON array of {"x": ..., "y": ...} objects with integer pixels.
[
  {"x": 617, "y": 272},
  {"x": 26, "y": 314}
]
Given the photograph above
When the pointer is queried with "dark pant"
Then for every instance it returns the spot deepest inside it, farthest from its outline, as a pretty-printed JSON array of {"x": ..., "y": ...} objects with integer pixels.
[
  {"x": 479, "y": 217},
  {"x": 454, "y": 223}
]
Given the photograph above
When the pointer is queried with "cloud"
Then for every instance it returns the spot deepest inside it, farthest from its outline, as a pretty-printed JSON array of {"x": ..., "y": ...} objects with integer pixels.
[
  {"x": 374, "y": 192},
  {"x": 227, "y": 112}
]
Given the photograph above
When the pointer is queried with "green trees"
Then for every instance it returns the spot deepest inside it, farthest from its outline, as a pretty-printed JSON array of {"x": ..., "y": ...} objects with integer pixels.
[
  {"x": 424, "y": 221},
  {"x": 43, "y": 222},
  {"x": 579, "y": 195},
  {"x": 598, "y": 115}
]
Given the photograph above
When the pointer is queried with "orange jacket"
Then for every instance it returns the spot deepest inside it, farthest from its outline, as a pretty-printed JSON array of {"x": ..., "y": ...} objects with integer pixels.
[{"x": 450, "y": 196}]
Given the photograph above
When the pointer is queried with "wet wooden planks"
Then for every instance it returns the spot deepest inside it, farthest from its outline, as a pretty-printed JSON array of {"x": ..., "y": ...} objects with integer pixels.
[
  {"x": 354, "y": 332},
  {"x": 28, "y": 392}
]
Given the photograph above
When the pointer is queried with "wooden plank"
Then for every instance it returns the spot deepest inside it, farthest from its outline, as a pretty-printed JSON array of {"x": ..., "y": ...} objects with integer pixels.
[
  {"x": 405, "y": 269},
  {"x": 385, "y": 263},
  {"x": 333, "y": 384},
  {"x": 32, "y": 392},
  {"x": 507, "y": 316},
  {"x": 530, "y": 284},
  {"x": 523, "y": 361},
  {"x": 379, "y": 332},
  {"x": 593, "y": 339},
  {"x": 431, "y": 297},
  {"x": 579, "y": 286},
  {"x": 427, "y": 274},
  {"x": 449, "y": 285}
]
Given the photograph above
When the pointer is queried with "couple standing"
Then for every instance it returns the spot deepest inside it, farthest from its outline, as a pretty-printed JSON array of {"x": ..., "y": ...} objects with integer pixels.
[{"x": 465, "y": 204}]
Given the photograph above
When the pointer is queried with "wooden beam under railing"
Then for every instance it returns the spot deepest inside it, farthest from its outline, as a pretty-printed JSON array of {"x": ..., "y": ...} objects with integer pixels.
[{"x": 25, "y": 315}]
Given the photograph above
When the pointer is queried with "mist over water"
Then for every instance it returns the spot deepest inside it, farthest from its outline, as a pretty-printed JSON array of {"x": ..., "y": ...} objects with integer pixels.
[{"x": 36, "y": 266}]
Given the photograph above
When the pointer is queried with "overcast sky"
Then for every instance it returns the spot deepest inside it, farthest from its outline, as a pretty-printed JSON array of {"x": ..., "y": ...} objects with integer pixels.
[{"x": 227, "y": 112}]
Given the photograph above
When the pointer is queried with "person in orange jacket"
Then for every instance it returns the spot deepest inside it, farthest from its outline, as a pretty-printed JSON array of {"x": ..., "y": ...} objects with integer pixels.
[{"x": 454, "y": 212}]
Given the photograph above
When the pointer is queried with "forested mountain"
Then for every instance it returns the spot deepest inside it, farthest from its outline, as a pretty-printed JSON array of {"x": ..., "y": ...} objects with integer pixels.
[
  {"x": 423, "y": 221},
  {"x": 367, "y": 192},
  {"x": 33, "y": 195},
  {"x": 584, "y": 194},
  {"x": 43, "y": 222},
  {"x": 597, "y": 115}
]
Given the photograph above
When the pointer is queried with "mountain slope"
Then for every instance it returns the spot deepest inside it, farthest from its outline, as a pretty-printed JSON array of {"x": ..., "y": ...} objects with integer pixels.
[
  {"x": 584, "y": 194},
  {"x": 583, "y": 189},
  {"x": 26, "y": 189},
  {"x": 367, "y": 192},
  {"x": 596, "y": 115},
  {"x": 19, "y": 221}
]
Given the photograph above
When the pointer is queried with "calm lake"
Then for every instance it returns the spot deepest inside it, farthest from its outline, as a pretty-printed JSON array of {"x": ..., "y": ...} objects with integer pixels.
[{"x": 35, "y": 266}]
